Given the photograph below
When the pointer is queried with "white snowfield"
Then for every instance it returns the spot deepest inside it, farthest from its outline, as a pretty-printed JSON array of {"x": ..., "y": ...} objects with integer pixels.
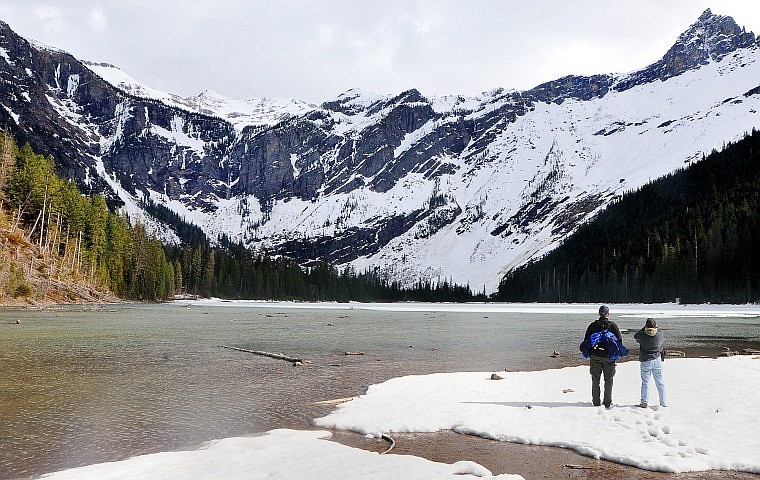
[
  {"x": 280, "y": 454},
  {"x": 711, "y": 422}
]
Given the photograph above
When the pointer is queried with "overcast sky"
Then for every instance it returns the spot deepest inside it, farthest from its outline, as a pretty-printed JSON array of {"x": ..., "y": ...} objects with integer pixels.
[{"x": 313, "y": 50}]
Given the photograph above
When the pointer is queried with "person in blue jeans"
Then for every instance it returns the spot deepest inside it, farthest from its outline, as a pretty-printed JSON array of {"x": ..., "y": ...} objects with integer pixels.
[{"x": 651, "y": 356}]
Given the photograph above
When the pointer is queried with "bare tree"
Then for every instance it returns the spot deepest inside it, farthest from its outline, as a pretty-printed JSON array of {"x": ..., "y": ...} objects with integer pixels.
[{"x": 7, "y": 147}]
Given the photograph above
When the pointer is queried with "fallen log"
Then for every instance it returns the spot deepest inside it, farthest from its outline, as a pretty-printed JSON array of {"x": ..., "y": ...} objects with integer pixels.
[
  {"x": 278, "y": 356},
  {"x": 391, "y": 441},
  {"x": 334, "y": 401}
]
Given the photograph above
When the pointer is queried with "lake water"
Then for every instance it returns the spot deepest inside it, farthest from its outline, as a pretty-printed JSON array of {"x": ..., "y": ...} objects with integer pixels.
[{"x": 82, "y": 386}]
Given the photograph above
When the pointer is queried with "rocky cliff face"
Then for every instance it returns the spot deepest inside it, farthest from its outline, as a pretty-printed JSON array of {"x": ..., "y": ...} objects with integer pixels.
[{"x": 414, "y": 187}]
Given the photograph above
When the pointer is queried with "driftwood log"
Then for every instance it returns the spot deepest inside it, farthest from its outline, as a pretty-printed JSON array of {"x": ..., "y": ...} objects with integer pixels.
[
  {"x": 278, "y": 356},
  {"x": 334, "y": 401},
  {"x": 391, "y": 443}
]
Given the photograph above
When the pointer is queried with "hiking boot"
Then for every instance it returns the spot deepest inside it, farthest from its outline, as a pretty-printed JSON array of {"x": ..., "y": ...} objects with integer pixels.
[{"x": 643, "y": 405}]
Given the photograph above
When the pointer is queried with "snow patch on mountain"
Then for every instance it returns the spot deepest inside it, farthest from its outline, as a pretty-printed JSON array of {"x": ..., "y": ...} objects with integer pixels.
[
  {"x": 4, "y": 54},
  {"x": 132, "y": 206},
  {"x": 178, "y": 135}
]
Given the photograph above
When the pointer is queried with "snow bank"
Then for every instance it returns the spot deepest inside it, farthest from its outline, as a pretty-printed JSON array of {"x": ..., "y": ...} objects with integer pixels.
[
  {"x": 711, "y": 422},
  {"x": 280, "y": 454}
]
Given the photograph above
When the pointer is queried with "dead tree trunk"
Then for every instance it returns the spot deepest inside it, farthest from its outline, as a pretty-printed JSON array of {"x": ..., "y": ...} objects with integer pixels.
[{"x": 278, "y": 356}]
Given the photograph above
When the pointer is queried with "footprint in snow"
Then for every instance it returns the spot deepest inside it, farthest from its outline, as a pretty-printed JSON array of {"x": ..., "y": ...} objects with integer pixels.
[{"x": 669, "y": 443}]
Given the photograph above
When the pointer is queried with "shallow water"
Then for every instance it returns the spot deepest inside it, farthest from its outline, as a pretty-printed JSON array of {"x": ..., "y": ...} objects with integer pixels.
[{"x": 82, "y": 386}]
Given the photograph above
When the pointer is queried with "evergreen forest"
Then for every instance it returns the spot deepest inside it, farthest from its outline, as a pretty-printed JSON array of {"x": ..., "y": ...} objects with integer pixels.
[{"x": 692, "y": 236}]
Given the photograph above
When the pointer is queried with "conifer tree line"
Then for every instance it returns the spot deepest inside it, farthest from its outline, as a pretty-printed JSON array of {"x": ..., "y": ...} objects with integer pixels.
[
  {"x": 90, "y": 241},
  {"x": 693, "y": 235},
  {"x": 85, "y": 238},
  {"x": 235, "y": 272}
]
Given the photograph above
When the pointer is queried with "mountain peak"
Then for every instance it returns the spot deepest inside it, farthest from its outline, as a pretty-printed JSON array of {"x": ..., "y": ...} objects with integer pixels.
[
  {"x": 709, "y": 39},
  {"x": 353, "y": 101}
]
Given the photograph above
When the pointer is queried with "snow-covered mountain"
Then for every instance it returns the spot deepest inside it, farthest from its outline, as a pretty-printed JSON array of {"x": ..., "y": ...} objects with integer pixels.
[
  {"x": 412, "y": 187},
  {"x": 241, "y": 113}
]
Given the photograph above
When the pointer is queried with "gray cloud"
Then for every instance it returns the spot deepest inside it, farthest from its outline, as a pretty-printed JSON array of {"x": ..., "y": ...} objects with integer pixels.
[{"x": 314, "y": 50}]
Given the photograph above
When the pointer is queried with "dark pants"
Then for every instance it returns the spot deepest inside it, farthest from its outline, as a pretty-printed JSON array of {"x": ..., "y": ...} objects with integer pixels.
[{"x": 601, "y": 365}]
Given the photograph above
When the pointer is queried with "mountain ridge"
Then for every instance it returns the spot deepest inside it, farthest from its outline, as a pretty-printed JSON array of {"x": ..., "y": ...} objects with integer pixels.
[
  {"x": 409, "y": 187},
  {"x": 687, "y": 237}
]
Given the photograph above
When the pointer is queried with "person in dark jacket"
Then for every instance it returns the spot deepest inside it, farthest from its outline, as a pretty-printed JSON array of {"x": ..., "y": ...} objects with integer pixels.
[
  {"x": 651, "y": 356},
  {"x": 600, "y": 360}
]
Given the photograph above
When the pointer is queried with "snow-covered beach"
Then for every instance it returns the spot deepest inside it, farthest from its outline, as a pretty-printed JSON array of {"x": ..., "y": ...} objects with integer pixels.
[
  {"x": 711, "y": 421},
  {"x": 711, "y": 401}
]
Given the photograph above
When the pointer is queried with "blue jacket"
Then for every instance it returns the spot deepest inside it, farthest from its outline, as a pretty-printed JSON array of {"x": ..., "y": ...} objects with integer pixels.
[{"x": 604, "y": 334}]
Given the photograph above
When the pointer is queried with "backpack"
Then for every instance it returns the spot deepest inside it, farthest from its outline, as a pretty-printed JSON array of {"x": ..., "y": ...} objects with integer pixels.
[
  {"x": 600, "y": 343},
  {"x": 603, "y": 344}
]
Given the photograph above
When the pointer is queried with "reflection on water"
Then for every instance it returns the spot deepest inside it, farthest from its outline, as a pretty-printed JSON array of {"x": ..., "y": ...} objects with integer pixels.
[{"x": 81, "y": 387}]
